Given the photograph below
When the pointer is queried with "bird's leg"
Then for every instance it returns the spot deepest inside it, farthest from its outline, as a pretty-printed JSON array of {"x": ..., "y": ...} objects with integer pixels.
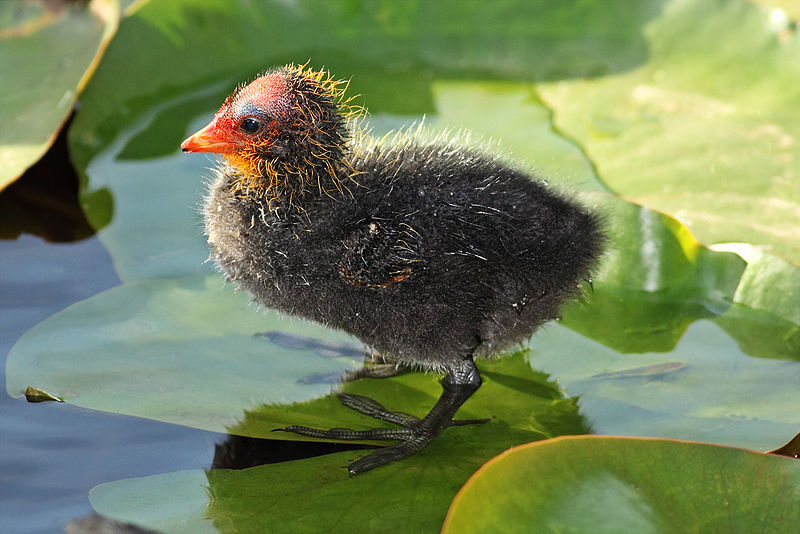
[
  {"x": 375, "y": 365},
  {"x": 458, "y": 385},
  {"x": 373, "y": 370}
]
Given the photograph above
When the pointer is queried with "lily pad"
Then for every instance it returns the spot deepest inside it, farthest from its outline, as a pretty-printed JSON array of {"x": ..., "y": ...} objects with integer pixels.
[
  {"x": 603, "y": 485},
  {"x": 765, "y": 317},
  {"x": 184, "y": 492},
  {"x": 50, "y": 50},
  {"x": 582, "y": 484},
  {"x": 522, "y": 122},
  {"x": 706, "y": 129},
  {"x": 719, "y": 394},
  {"x": 657, "y": 279},
  {"x": 393, "y": 52},
  {"x": 182, "y": 351},
  {"x": 300, "y": 496}
]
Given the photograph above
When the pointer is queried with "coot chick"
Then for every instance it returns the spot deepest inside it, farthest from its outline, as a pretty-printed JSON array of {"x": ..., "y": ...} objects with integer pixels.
[{"x": 429, "y": 252}]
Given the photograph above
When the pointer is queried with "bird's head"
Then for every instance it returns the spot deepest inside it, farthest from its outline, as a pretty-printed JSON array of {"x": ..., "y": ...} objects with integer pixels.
[{"x": 284, "y": 130}]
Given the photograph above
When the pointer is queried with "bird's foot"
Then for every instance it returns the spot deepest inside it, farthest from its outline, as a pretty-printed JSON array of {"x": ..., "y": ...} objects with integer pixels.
[
  {"x": 373, "y": 370},
  {"x": 414, "y": 434}
]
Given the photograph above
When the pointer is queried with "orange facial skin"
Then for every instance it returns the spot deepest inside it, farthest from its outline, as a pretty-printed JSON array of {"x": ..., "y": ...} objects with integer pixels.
[{"x": 279, "y": 137}]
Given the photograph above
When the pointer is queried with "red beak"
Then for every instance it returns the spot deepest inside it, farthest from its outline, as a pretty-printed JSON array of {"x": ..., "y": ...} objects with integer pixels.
[{"x": 208, "y": 139}]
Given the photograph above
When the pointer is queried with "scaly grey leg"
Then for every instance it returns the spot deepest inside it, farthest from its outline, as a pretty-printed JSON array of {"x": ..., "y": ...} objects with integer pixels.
[{"x": 458, "y": 385}]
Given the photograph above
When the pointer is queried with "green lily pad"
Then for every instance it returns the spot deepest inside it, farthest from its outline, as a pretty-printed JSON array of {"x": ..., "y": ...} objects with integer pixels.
[
  {"x": 765, "y": 317},
  {"x": 603, "y": 485},
  {"x": 581, "y": 484},
  {"x": 523, "y": 123},
  {"x": 392, "y": 52},
  {"x": 718, "y": 394},
  {"x": 50, "y": 50},
  {"x": 781, "y": 13},
  {"x": 657, "y": 279},
  {"x": 300, "y": 496},
  {"x": 768, "y": 283},
  {"x": 184, "y": 492},
  {"x": 182, "y": 351},
  {"x": 706, "y": 129}
]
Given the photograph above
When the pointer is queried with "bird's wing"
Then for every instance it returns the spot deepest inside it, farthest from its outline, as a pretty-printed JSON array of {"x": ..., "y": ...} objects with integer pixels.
[{"x": 379, "y": 253}]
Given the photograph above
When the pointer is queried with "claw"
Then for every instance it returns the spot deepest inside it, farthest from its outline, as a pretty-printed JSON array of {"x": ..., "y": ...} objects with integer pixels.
[{"x": 415, "y": 433}]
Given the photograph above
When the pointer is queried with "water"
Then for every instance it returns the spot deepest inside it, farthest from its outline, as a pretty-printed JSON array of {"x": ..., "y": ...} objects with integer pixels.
[{"x": 52, "y": 454}]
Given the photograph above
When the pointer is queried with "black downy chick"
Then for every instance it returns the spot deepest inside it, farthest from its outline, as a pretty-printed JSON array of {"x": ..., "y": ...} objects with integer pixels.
[{"x": 429, "y": 252}]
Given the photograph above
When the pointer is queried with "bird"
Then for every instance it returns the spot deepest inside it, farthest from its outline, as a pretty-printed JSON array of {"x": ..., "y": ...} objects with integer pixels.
[{"x": 429, "y": 250}]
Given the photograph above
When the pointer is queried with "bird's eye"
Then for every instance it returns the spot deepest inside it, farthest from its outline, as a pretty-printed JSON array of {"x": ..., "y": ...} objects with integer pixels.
[{"x": 250, "y": 125}]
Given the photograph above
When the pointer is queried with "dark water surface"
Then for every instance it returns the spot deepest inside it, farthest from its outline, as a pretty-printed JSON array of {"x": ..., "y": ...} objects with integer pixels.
[{"x": 52, "y": 454}]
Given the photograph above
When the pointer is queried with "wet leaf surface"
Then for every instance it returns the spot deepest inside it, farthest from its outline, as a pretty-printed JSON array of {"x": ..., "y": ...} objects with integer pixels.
[
  {"x": 706, "y": 129},
  {"x": 302, "y": 495},
  {"x": 632, "y": 485},
  {"x": 183, "y": 351},
  {"x": 50, "y": 49}
]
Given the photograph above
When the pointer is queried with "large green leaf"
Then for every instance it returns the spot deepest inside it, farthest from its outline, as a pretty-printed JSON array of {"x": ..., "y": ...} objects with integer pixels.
[
  {"x": 603, "y": 485},
  {"x": 662, "y": 346},
  {"x": 316, "y": 494},
  {"x": 765, "y": 317},
  {"x": 392, "y": 51},
  {"x": 657, "y": 279},
  {"x": 143, "y": 501},
  {"x": 49, "y": 51},
  {"x": 576, "y": 484},
  {"x": 706, "y": 389},
  {"x": 706, "y": 128},
  {"x": 182, "y": 351}
]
